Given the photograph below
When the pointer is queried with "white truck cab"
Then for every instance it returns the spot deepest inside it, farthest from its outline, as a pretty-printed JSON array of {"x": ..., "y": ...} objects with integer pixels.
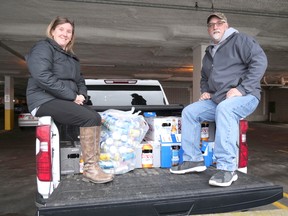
[{"x": 120, "y": 92}]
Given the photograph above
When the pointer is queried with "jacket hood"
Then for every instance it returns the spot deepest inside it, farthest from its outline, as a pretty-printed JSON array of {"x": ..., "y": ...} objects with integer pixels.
[{"x": 227, "y": 33}]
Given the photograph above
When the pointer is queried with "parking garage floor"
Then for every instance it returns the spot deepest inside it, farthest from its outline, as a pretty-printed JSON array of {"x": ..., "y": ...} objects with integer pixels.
[{"x": 268, "y": 158}]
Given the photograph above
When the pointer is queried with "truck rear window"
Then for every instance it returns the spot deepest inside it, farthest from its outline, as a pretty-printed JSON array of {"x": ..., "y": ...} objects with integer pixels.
[{"x": 125, "y": 95}]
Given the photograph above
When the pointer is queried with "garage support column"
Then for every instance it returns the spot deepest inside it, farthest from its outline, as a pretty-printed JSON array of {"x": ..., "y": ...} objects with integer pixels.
[
  {"x": 9, "y": 104},
  {"x": 198, "y": 53}
]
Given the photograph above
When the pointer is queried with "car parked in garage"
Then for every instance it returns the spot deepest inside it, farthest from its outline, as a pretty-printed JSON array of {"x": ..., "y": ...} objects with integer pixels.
[
  {"x": 27, "y": 120},
  {"x": 20, "y": 108}
]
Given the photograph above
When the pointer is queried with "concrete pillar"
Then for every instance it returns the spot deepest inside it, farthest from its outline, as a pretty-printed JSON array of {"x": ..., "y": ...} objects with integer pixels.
[
  {"x": 9, "y": 104},
  {"x": 198, "y": 54}
]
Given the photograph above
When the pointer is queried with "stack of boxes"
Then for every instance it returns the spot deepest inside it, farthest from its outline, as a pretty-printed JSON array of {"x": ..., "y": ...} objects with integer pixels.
[{"x": 164, "y": 135}]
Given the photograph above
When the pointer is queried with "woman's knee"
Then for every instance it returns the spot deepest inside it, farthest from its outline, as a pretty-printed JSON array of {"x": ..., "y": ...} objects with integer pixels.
[{"x": 94, "y": 119}]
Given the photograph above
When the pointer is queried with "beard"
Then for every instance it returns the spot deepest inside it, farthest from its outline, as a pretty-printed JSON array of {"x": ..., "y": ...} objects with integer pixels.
[{"x": 216, "y": 36}]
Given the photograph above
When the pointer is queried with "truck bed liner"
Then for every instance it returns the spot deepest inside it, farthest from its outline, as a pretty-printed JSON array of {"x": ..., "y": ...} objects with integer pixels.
[
  {"x": 157, "y": 192},
  {"x": 160, "y": 110}
]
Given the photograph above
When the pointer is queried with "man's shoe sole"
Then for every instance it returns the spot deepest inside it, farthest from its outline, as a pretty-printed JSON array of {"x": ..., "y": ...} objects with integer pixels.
[
  {"x": 191, "y": 170},
  {"x": 226, "y": 184}
]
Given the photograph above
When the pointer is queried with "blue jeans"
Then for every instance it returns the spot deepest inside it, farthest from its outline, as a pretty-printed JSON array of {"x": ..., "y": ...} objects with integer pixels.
[{"x": 226, "y": 115}]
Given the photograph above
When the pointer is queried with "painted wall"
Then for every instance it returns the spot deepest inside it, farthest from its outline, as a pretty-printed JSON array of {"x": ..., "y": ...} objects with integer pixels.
[{"x": 278, "y": 97}]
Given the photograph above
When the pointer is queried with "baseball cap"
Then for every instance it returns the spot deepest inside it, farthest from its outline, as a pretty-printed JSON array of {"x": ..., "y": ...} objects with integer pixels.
[{"x": 217, "y": 14}]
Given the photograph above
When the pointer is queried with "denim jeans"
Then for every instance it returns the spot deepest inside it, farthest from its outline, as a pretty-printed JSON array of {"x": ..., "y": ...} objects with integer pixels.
[{"x": 226, "y": 116}]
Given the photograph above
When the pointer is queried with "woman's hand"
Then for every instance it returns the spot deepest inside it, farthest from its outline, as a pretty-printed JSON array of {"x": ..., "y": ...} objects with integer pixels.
[{"x": 79, "y": 99}]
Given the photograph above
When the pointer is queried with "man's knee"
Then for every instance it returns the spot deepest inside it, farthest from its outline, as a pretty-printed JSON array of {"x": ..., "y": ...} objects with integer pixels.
[
  {"x": 223, "y": 108},
  {"x": 186, "y": 111},
  {"x": 189, "y": 111}
]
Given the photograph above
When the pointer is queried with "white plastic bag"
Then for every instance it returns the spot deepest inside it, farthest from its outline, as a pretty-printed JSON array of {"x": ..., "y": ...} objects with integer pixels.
[{"x": 121, "y": 133}]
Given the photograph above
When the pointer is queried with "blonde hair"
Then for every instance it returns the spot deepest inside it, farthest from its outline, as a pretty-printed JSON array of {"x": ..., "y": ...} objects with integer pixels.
[{"x": 59, "y": 21}]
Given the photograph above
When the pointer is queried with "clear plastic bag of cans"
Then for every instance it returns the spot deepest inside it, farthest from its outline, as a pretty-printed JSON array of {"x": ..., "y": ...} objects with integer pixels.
[{"x": 121, "y": 133}]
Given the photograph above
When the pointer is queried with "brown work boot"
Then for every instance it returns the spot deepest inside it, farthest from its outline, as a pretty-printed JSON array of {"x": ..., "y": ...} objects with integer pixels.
[{"x": 90, "y": 141}]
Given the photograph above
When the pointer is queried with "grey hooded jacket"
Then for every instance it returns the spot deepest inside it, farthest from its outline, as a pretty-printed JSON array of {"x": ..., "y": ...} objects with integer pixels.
[
  {"x": 239, "y": 62},
  {"x": 54, "y": 74}
]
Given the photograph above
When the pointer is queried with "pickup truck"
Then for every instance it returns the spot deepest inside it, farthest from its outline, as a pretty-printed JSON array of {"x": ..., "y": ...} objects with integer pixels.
[{"x": 142, "y": 191}]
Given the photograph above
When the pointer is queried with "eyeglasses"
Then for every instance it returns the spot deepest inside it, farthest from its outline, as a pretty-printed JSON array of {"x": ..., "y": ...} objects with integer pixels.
[{"x": 217, "y": 24}]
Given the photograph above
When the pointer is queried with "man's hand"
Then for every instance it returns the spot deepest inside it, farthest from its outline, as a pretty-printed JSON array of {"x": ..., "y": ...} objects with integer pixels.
[
  {"x": 205, "y": 96},
  {"x": 79, "y": 99},
  {"x": 233, "y": 92}
]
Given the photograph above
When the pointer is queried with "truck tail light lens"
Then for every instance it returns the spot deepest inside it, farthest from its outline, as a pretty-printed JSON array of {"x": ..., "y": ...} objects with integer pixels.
[
  {"x": 43, "y": 157},
  {"x": 243, "y": 147},
  {"x": 21, "y": 116}
]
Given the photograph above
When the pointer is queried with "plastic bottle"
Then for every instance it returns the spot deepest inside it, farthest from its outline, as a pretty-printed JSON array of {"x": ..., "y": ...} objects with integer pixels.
[
  {"x": 174, "y": 127},
  {"x": 204, "y": 131},
  {"x": 81, "y": 163},
  {"x": 147, "y": 156},
  {"x": 175, "y": 155}
]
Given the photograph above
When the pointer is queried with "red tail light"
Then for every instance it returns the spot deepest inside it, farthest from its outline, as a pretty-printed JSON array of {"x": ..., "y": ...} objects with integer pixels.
[
  {"x": 21, "y": 116},
  {"x": 43, "y": 158},
  {"x": 243, "y": 147}
]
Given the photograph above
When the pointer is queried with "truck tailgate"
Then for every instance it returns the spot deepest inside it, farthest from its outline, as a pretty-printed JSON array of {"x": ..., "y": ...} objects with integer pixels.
[{"x": 157, "y": 192}]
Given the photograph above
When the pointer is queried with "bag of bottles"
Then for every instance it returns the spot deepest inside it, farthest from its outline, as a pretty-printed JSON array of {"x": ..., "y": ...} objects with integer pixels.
[{"x": 121, "y": 133}]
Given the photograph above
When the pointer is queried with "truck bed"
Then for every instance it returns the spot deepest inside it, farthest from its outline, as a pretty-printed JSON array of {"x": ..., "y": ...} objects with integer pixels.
[
  {"x": 159, "y": 110},
  {"x": 157, "y": 192}
]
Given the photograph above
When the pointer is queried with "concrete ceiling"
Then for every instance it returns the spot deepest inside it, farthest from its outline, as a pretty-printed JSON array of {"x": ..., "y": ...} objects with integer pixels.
[{"x": 139, "y": 38}]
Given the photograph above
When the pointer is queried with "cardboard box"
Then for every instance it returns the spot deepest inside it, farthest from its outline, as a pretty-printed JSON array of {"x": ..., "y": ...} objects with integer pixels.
[
  {"x": 162, "y": 125},
  {"x": 207, "y": 149},
  {"x": 69, "y": 156},
  {"x": 171, "y": 150},
  {"x": 155, "y": 152}
]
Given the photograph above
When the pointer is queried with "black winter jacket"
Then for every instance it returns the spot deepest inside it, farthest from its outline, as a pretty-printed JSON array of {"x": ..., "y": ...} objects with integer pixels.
[{"x": 54, "y": 74}]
